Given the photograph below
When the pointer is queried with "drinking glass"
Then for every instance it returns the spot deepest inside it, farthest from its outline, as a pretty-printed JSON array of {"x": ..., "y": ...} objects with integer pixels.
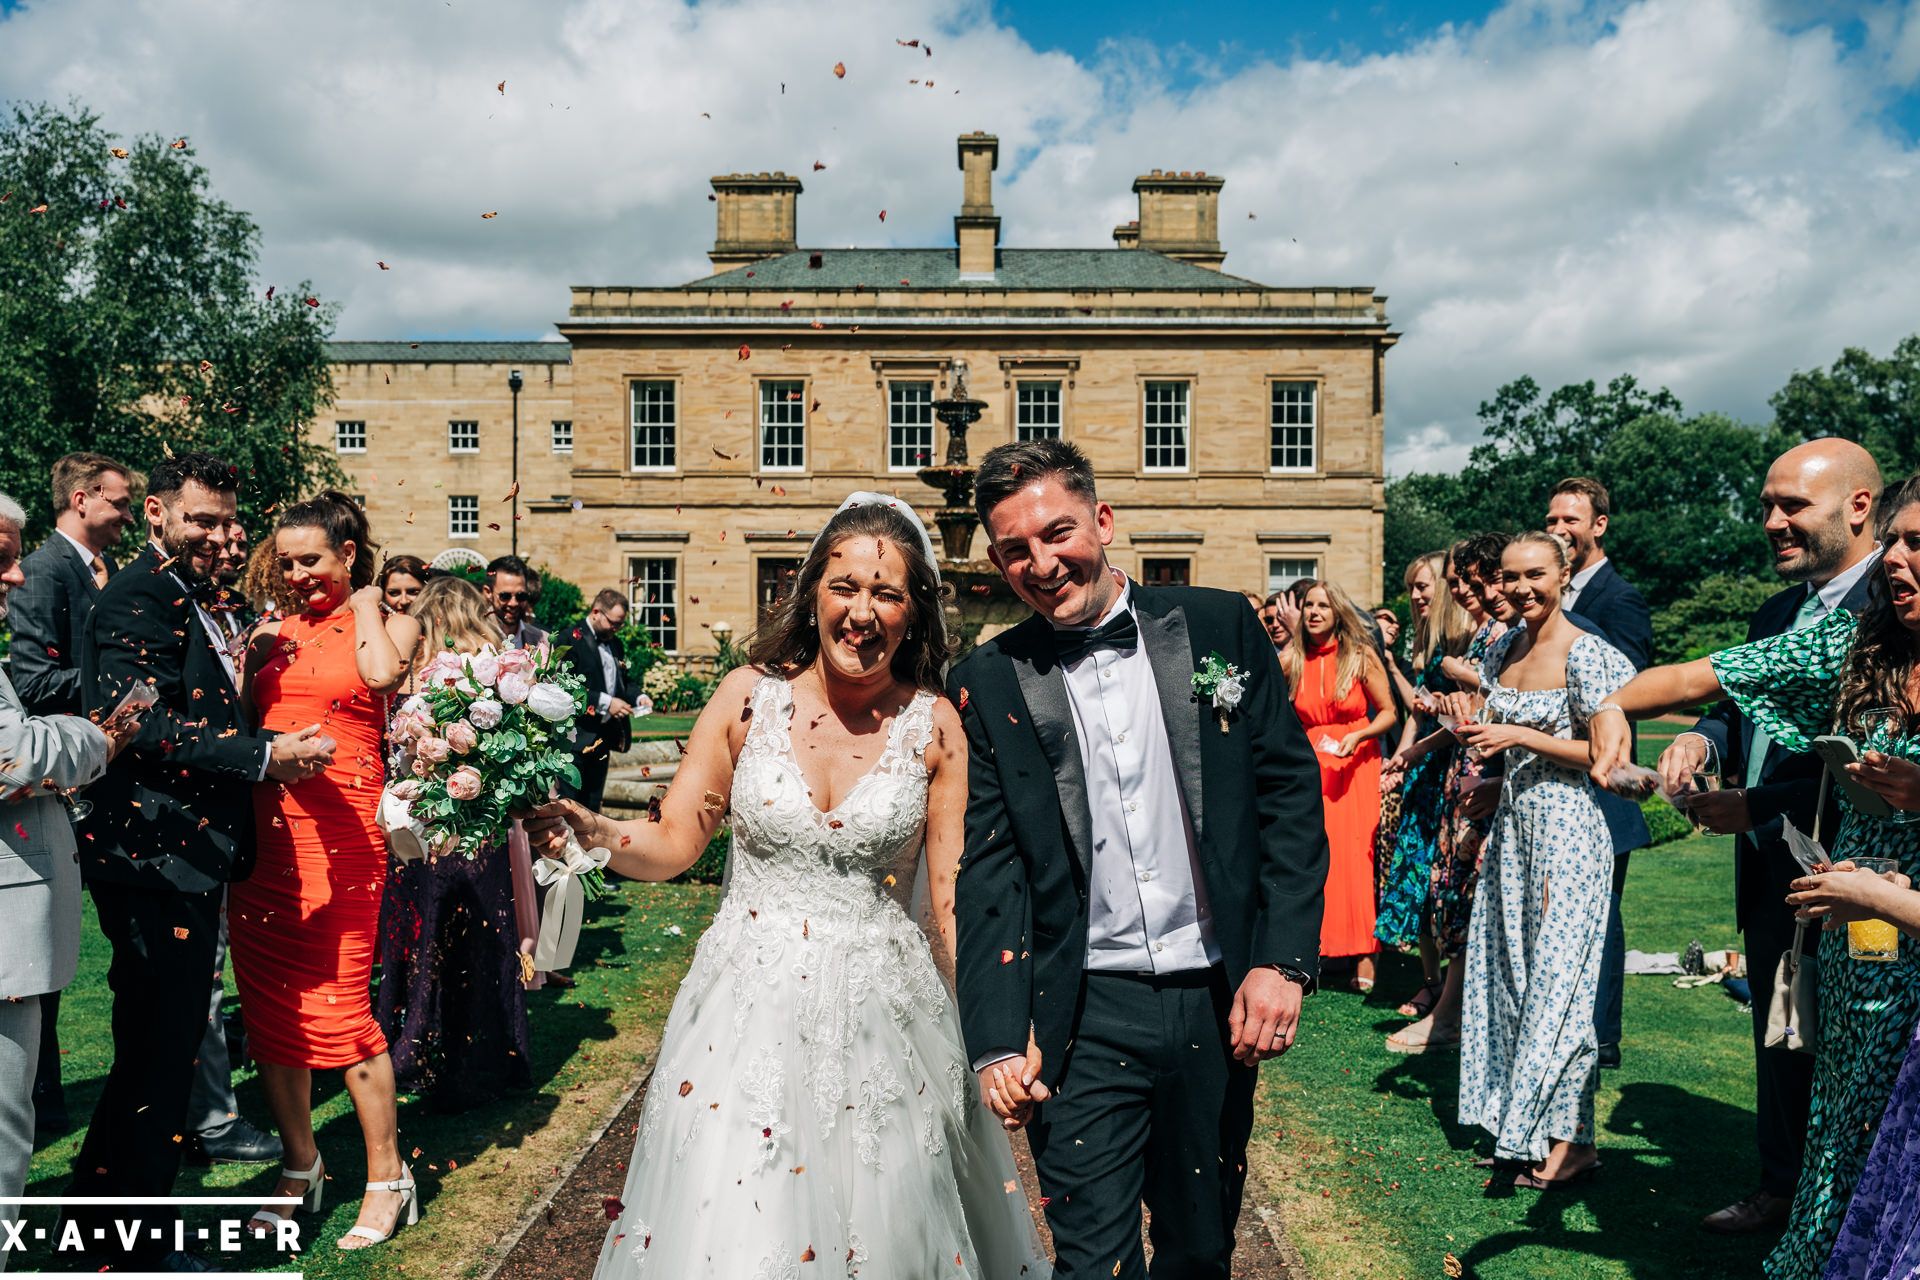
[
  {"x": 1873, "y": 939},
  {"x": 1705, "y": 779},
  {"x": 77, "y": 808}
]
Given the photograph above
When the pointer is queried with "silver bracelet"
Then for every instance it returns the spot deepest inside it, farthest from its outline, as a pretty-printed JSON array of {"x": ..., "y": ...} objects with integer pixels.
[{"x": 1610, "y": 706}]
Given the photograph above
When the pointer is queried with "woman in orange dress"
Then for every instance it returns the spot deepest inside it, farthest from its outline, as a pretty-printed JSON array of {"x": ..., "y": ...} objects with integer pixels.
[
  {"x": 1341, "y": 693},
  {"x": 305, "y": 925}
]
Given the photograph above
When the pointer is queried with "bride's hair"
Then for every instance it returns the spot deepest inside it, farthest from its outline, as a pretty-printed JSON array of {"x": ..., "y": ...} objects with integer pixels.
[{"x": 790, "y": 637}]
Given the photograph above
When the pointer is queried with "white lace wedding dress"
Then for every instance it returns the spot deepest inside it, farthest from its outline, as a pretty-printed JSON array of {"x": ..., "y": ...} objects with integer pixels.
[{"x": 811, "y": 1112}]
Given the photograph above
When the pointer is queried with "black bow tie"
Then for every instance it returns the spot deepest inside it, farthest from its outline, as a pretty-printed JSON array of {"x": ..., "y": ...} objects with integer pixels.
[{"x": 1118, "y": 632}]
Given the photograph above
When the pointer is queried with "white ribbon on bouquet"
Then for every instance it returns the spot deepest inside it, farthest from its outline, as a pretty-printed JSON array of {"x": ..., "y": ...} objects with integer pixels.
[{"x": 566, "y": 904}]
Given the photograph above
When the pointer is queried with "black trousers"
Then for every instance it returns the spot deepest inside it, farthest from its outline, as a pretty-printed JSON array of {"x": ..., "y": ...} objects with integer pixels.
[
  {"x": 163, "y": 949},
  {"x": 593, "y": 780},
  {"x": 1783, "y": 1079},
  {"x": 1613, "y": 961},
  {"x": 1151, "y": 1106}
]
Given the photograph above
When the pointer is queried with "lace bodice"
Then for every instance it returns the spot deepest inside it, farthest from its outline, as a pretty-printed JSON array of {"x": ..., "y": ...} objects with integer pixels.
[{"x": 851, "y": 859}]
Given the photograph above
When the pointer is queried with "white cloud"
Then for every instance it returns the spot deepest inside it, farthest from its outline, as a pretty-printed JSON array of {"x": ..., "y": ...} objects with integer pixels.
[{"x": 1695, "y": 191}]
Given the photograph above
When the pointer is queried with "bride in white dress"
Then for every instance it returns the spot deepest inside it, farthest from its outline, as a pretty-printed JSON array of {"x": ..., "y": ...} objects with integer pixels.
[{"x": 811, "y": 1111}]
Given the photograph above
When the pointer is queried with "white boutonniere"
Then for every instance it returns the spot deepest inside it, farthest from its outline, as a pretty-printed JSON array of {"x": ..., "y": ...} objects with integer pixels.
[{"x": 1222, "y": 683}]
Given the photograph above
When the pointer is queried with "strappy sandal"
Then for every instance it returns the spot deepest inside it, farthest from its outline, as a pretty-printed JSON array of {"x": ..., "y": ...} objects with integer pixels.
[
  {"x": 1527, "y": 1180},
  {"x": 409, "y": 1204},
  {"x": 1423, "y": 1000},
  {"x": 1402, "y": 1041},
  {"x": 310, "y": 1199}
]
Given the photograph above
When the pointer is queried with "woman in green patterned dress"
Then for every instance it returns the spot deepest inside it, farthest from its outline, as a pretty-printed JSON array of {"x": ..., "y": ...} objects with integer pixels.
[{"x": 1833, "y": 677}]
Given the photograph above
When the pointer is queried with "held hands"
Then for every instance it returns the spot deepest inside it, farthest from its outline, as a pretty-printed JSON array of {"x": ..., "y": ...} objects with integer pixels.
[
  {"x": 1012, "y": 1087},
  {"x": 1266, "y": 1013},
  {"x": 299, "y": 755},
  {"x": 1845, "y": 893},
  {"x": 1896, "y": 780}
]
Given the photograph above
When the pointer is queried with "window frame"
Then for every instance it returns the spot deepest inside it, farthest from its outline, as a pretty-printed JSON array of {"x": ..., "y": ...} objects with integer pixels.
[
  {"x": 554, "y": 438},
  {"x": 339, "y": 424},
  {"x": 452, "y": 530},
  {"x": 760, "y": 425},
  {"x": 1315, "y": 396},
  {"x": 1313, "y": 563},
  {"x": 1147, "y": 383},
  {"x": 1146, "y": 560},
  {"x": 638, "y": 608},
  {"x": 672, "y": 446},
  {"x": 452, "y": 440},
  {"x": 932, "y": 423},
  {"x": 1059, "y": 385}
]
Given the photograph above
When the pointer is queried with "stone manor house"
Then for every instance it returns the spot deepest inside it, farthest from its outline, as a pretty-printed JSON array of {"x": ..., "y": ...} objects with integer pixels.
[{"x": 688, "y": 440}]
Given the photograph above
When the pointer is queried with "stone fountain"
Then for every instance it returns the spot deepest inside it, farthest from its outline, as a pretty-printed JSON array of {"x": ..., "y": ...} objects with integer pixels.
[{"x": 981, "y": 595}]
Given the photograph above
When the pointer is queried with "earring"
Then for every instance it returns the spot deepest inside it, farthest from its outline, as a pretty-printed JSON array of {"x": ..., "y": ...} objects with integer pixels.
[
  {"x": 909, "y": 633},
  {"x": 810, "y": 621}
]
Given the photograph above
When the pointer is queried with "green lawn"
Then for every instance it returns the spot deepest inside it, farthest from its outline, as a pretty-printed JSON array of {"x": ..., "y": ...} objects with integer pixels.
[
  {"x": 665, "y": 724},
  {"x": 479, "y": 1171},
  {"x": 1375, "y": 1178}
]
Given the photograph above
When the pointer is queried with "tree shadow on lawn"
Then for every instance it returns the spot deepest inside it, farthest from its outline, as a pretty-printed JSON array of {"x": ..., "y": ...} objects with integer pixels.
[{"x": 1643, "y": 1208}]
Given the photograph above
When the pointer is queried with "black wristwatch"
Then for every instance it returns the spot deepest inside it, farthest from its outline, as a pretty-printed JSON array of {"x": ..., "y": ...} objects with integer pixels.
[{"x": 1306, "y": 983}]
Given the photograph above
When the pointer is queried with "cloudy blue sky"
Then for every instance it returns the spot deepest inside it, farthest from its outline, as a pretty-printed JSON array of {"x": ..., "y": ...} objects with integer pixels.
[{"x": 1705, "y": 193}]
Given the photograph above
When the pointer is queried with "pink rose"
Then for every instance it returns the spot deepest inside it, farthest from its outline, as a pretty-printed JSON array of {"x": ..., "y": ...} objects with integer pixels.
[
  {"x": 465, "y": 783},
  {"x": 420, "y": 767},
  {"x": 462, "y": 737},
  {"x": 445, "y": 667},
  {"x": 405, "y": 789},
  {"x": 433, "y": 750},
  {"x": 486, "y": 668},
  {"x": 520, "y": 660},
  {"x": 514, "y": 687}
]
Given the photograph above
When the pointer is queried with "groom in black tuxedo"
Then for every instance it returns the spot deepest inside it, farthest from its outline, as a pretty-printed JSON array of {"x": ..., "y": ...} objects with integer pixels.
[{"x": 1141, "y": 886}]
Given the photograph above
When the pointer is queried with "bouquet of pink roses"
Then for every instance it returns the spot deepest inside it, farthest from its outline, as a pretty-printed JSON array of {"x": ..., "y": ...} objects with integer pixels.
[{"x": 487, "y": 735}]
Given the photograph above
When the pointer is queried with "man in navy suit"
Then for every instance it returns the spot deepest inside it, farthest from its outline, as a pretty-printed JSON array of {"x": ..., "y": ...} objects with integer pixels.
[
  {"x": 92, "y": 505},
  {"x": 1606, "y": 603},
  {"x": 1819, "y": 502}
]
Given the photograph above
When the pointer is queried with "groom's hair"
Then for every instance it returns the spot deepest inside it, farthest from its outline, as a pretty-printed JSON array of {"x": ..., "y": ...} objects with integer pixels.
[{"x": 1009, "y": 468}]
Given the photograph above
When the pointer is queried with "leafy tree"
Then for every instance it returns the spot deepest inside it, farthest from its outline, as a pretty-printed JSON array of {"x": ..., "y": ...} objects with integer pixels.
[
  {"x": 1418, "y": 520},
  {"x": 1870, "y": 400},
  {"x": 559, "y": 602},
  {"x": 1712, "y": 617},
  {"x": 131, "y": 320}
]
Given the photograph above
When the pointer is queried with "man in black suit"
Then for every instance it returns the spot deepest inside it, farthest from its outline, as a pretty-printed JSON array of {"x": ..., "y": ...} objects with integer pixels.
[
  {"x": 1140, "y": 896},
  {"x": 1819, "y": 502},
  {"x": 92, "y": 505},
  {"x": 171, "y": 825},
  {"x": 594, "y": 649},
  {"x": 1602, "y": 601},
  {"x": 510, "y": 590}
]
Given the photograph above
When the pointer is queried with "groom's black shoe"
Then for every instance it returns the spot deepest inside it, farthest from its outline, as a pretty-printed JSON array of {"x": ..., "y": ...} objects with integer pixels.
[
  {"x": 235, "y": 1142},
  {"x": 1609, "y": 1057}
]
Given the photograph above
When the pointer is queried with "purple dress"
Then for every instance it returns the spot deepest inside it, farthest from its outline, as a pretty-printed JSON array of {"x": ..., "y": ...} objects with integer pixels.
[{"x": 1880, "y": 1239}]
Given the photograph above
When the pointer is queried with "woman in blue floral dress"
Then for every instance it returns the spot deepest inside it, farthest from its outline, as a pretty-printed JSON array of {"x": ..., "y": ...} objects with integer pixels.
[
  {"x": 1441, "y": 630},
  {"x": 1529, "y": 1057},
  {"x": 1795, "y": 687}
]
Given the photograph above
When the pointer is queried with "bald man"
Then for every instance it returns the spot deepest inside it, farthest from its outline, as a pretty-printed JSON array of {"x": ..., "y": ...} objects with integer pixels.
[{"x": 1819, "y": 502}]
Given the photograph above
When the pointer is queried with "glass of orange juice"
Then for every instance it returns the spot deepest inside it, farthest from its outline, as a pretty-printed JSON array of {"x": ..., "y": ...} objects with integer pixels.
[{"x": 1873, "y": 939}]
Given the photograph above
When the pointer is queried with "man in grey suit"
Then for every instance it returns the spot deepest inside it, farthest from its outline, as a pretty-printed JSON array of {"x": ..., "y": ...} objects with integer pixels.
[
  {"x": 92, "y": 506},
  {"x": 39, "y": 875}
]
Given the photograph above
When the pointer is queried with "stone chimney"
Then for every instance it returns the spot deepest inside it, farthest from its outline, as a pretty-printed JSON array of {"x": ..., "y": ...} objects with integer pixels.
[
  {"x": 1179, "y": 216},
  {"x": 976, "y": 227},
  {"x": 753, "y": 218}
]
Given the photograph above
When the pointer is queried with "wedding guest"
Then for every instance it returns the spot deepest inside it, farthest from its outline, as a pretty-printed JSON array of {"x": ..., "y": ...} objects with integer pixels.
[
  {"x": 510, "y": 590},
  {"x": 1528, "y": 1054},
  {"x": 1280, "y": 615},
  {"x": 594, "y": 649},
  {"x": 452, "y": 991},
  {"x": 401, "y": 579},
  {"x": 1818, "y": 503},
  {"x": 216, "y": 1133},
  {"x": 1470, "y": 796},
  {"x": 170, "y": 827},
  {"x": 304, "y": 926},
  {"x": 39, "y": 875},
  {"x": 1388, "y": 623},
  {"x": 1341, "y": 694},
  {"x": 1880, "y": 1237},
  {"x": 92, "y": 506},
  {"x": 1848, "y": 674},
  {"x": 1417, "y": 770},
  {"x": 1578, "y": 512}
]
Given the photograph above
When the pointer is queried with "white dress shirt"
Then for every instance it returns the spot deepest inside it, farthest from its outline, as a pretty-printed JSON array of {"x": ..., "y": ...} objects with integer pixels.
[
  {"x": 1146, "y": 904},
  {"x": 610, "y": 676},
  {"x": 1570, "y": 598},
  {"x": 222, "y": 646}
]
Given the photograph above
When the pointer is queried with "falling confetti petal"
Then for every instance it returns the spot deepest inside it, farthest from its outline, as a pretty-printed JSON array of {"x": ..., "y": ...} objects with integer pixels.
[
  {"x": 489, "y": 215},
  {"x": 840, "y": 70}
]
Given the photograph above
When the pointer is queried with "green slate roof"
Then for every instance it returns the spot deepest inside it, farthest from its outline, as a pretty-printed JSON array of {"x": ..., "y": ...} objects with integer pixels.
[
  {"x": 940, "y": 269},
  {"x": 450, "y": 352}
]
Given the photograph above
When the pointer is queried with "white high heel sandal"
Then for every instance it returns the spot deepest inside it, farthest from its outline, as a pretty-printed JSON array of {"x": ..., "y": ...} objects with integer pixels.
[
  {"x": 310, "y": 1200},
  {"x": 409, "y": 1203}
]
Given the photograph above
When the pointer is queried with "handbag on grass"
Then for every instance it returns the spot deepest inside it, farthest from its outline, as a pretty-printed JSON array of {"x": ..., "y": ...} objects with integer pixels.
[{"x": 1793, "y": 1008}]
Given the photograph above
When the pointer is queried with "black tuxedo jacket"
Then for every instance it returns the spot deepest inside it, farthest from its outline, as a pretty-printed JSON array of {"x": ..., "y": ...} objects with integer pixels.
[
  {"x": 582, "y": 651},
  {"x": 48, "y": 615},
  {"x": 176, "y": 809},
  {"x": 1789, "y": 785},
  {"x": 1252, "y": 796}
]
